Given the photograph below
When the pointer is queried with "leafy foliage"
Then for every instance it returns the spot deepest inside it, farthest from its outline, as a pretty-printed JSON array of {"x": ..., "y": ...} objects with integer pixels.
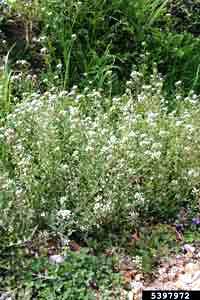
[{"x": 80, "y": 276}]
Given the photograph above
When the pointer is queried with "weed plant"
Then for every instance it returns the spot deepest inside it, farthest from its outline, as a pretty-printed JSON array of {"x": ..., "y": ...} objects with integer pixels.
[{"x": 110, "y": 162}]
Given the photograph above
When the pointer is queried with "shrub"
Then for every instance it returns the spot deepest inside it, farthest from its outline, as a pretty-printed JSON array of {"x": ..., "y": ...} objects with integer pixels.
[{"x": 109, "y": 161}]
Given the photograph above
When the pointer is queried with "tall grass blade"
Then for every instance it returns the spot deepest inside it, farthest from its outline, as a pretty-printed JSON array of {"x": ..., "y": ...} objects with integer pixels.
[{"x": 157, "y": 10}]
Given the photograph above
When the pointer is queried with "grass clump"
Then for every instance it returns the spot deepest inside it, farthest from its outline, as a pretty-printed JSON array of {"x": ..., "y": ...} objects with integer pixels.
[{"x": 84, "y": 41}]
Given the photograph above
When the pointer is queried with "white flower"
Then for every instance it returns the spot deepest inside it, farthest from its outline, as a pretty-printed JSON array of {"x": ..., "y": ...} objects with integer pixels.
[
  {"x": 9, "y": 134},
  {"x": 193, "y": 173},
  {"x": 63, "y": 94},
  {"x": 151, "y": 116},
  {"x": 74, "y": 37},
  {"x": 156, "y": 154},
  {"x": 139, "y": 197},
  {"x": 178, "y": 83},
  {"x": 189, "y": 127},
  {"x": 145, "y": 143},
  {"x": 178, "y": 123},
  {"x": 43, "y": 50},
  {"x": 64, "y": 214},
  {"x": 178, "y": 97},
  {"x": 156, "y": 146},
  {"x": 163, "y": 133}
]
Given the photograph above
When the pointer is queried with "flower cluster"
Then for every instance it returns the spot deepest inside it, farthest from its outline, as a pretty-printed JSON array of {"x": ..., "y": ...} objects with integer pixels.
[{"x": 64, "y": 153}]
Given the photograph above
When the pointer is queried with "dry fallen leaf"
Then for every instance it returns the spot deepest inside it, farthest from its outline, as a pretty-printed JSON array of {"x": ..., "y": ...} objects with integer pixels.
[
  {"x": 179, "y": 236},
  {"x": 129, "y": 275}
]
